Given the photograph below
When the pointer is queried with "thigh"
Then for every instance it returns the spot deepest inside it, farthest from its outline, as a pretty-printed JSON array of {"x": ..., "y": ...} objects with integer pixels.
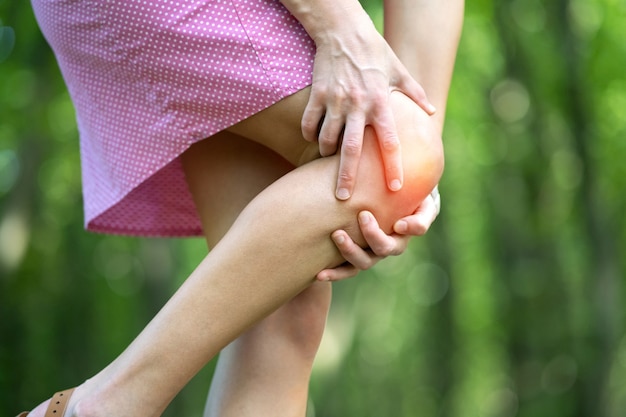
[
  {"x": 228, "y": 171},
  {"x": 278, "y": 128}
]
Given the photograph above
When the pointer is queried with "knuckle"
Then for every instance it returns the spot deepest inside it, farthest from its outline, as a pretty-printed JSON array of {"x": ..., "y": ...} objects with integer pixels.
[
  {"x": 326, "y": 138},
  {"x": 420, "y": 228},
  {"x": 351, "y": 146},
  {"x": 379, "y": 99},
  {"x": 340, "y": 95},
  {"x": 390, "y": 142},
  {"x": 365, "y": 264},
  {"x": 368, "y": 265},
  {"x": 345, "y": 177},
  {"x": 388, "y": 250},
  {"x": 357, "y": 97},
  {"x": 348, "y": 252},
  {"x": 309, "y": 124},
  {"x": 381, "y": 249},
  {"x": 351, "y": 272},
  {"x": 319, "y": 91}
]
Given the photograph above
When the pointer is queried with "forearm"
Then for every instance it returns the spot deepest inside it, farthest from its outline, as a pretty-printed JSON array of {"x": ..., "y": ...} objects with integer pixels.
[
  {"x": 425, "y": 34},
  {"x": 323, "y": 18}
]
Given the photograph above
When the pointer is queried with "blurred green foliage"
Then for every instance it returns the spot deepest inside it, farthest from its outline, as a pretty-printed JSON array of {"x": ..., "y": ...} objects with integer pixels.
[{"x": 512, "y": 305}]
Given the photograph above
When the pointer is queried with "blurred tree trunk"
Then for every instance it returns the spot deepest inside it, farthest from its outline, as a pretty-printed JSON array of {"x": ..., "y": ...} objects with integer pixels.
[{"x": 594, "y": 291}]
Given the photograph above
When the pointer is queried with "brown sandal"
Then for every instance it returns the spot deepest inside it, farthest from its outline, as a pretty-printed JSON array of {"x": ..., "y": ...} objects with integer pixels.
[{"x": 57, "y": 405}]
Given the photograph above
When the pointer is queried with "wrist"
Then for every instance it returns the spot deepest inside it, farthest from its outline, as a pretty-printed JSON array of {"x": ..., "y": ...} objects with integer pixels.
[{"x": 324, "y": 20}]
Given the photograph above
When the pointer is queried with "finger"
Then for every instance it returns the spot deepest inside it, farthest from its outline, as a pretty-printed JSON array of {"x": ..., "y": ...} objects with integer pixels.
[
  {"x": 353, "y": 253},
  {"x": 409, "y": 86},
  {"x": 436, "y": 199},
  {"x": 378, "y": 241},
  {"x": 330, "y": 133},
  {"x": 389, "y": 144},
  {"x": 337, "y": 274},
  {"x": 351, "y": 148},
  {"x": 312, "y": 119},
  {"x": 418, "y": 223}
]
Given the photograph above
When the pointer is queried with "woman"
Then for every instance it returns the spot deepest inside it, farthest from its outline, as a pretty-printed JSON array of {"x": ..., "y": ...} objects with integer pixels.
[{"x": 192, "y": 120}]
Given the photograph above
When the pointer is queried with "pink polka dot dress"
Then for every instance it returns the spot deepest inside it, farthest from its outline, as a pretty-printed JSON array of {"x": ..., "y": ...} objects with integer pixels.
[{"x": 148, "y": 78}]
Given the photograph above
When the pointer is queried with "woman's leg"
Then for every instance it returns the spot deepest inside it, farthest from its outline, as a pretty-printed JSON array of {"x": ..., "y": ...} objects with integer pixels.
[
  {"x": 265, "y": 371},
  {"x": 269, "y": 255}
]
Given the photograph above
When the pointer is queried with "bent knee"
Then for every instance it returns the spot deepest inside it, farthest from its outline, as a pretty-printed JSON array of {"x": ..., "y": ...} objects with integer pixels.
[{"x": 422, "y": 163}]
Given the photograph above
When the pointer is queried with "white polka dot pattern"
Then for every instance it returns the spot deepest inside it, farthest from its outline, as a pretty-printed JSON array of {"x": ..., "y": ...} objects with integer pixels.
[{"x": 148, "y": 78}]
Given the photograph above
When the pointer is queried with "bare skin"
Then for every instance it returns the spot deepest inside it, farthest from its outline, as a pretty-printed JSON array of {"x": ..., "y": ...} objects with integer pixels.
[
  {"x": 244, "y": 279},
  {"x": 266, "y": 371}
]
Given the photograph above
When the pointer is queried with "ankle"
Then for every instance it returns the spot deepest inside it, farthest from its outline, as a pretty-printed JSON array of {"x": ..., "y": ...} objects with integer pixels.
[
  {"x": 85, "y": 408},
  {"x": 78, "y": 405},
  {"x": 85, "y": 402},
  {"x": 105, "y": 398},
  {"x": 92, "y": 405}
]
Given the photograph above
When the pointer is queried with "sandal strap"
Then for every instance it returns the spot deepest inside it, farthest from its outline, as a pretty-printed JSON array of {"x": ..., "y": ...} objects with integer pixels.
[{"x": 58, "y": 403}]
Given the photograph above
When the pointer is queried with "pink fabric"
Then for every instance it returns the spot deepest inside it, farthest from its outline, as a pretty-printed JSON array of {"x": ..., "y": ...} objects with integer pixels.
[{"x": 148, "y": 78}]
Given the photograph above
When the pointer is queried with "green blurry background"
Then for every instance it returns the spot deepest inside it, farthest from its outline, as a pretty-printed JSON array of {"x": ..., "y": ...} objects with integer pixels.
[{"x": 511, "y": 306}]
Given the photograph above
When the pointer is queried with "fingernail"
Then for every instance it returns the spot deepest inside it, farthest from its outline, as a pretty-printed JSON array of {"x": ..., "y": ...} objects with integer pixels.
[
  {"x": 339, "y": 238},
  {"x": 431, "y": 109},
  {"x": 323, "y": 277},
  {"x": 401, "y": 226},
  {"x": 343, "y": 194},
  {"x": 395, "y": 185},
  {"x": 364, "y": 218}
]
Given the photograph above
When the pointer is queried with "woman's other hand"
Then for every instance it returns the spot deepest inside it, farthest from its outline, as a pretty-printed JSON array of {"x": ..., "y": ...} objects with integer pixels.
[
  {"x": 380, "y": 244},
  {"x": 353, "y": 76},
  {"x": 354, "y": 72}
]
